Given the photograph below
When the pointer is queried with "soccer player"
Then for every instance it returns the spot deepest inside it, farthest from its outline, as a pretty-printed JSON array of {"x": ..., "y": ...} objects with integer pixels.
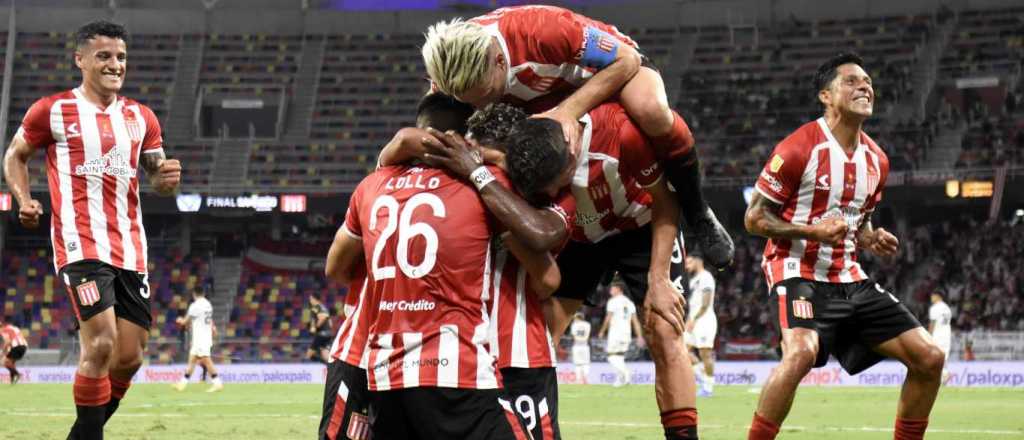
[
  {"x": 95, "y": 141},
  {"x": 621, "y": 217},
  {"x": 346, "y": 396},
  {"x": 619, "y": 324},
  {"x": 580, "y": 331},
  {"x": 813, "y": 202},
  {"x": 702, "y": 325},
  {"x": 320, "y": 328},
  {"x": 13, "y": 348},
  {"x": 940, "y": 317},
  {"x": 548, "y": 59},
  {"x": 425, "y": 237},
  {"x": 200, "y": 320}
]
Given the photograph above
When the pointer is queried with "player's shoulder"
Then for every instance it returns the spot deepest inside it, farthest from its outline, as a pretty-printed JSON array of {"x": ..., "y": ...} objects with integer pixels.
[
  {"x": 706, "y": 277},
  {"x": 129, "y": 102},
  {"x": 50, "y": 100},
  {"x": 803, "y": 139},
  {"x": 874, "y": 148}
]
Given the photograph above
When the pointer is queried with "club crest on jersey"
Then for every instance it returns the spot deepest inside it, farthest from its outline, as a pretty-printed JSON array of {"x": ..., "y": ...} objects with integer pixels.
[
  {"x": 358, "y": 427},
  {"x": 598, "y": 191},
  {"x": 132, "y": 124},
  {"x": 88, "y": 293},
  {"x": 803, "y": 309},
  {"x": 542, "y": 84}
]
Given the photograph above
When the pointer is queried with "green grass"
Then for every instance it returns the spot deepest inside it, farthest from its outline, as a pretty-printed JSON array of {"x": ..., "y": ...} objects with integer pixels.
[{"x": 587, "y": 412}]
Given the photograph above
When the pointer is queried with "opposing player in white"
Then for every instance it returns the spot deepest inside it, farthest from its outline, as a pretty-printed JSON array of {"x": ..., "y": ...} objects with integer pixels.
[
  {"x": 940, "y": 317},
  {"x": 200, "y": 317},
  {"x": 702, "y": 325},
  {"x": 619, "y": 323},
  {"x": 580, "y": 330}
]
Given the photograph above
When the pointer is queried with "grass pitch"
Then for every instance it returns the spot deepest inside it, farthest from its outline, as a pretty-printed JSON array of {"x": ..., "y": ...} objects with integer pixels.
[{"x": 261, "y": 412}]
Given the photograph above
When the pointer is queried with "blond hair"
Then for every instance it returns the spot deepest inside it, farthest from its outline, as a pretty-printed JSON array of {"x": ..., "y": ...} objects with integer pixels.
[{"x": 455, "y": 54}]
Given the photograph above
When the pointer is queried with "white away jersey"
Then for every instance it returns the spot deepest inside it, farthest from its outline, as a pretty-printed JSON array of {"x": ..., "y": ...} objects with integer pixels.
[
  {"x": 580, "y": 331},
  {"x": 942, "y": 316},
  {"x": 700, "y": 283},
  {"x": 201, "y": 312},
  {"x": 621, "y": 311}
]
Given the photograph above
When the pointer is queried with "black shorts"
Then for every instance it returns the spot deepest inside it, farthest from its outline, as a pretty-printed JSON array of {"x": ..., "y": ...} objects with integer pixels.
[
  {"x": 532, "y": 395},
  {"x": 17, "y": 353},
  {"x": 321, "y": 342},
  {"x": 429, "y": 413},
  {"x": 346, "y": 404},
  {"x": 585, "y": 265},
  {"x": 95, "y": 286},
  {"x": 850, "y": 318}
]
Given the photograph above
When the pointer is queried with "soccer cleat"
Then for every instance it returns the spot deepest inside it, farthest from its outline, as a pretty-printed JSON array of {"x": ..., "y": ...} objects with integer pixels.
[
  {"x": 713, "y": 240},
  {"x": 15, "y": 378},
  {"x": 215, "y": 387},
  {"x": 180, "y": 386},
  {"x": 703, "y": 392}
]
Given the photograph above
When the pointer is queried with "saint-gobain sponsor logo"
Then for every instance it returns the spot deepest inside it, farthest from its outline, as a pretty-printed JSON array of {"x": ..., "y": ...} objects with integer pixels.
[
  {"x": 407, "y": 306},
  {"x": 114, "y": 163}
]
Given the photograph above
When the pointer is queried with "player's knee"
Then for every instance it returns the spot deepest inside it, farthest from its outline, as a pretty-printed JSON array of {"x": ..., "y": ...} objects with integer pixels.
[
  {"x": 129, "y": 361},
  {"x": 99, "y": 349},
  {"x": 653, "y": 116},
  {"x": 930, "y": 362},
  {"x": 800, "y": 357}
]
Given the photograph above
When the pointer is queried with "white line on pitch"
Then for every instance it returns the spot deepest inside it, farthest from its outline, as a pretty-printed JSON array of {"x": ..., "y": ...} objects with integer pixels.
[{"x": 798, "y": 428}]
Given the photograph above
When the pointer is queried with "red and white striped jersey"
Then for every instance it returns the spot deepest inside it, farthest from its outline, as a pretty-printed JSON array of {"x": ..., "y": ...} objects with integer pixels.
[
  {"x": 349, "y": 344},
  {"x": 550, "y": 50},
  {"x": 426, "y": 236},
  {"x": 13, "y": 335},
  {"x": 616, "y": 164},
  {"x": 92, "y": 158},
  {"x": 812, "y": 178},
  {"x": 518, "y": 329}
]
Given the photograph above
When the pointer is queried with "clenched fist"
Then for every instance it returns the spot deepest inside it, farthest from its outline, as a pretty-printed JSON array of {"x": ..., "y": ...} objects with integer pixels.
[
  {"x": 831, "y": 231},
  {"x": 167, "y": 177},
  {"x": 29, "y": 213}
]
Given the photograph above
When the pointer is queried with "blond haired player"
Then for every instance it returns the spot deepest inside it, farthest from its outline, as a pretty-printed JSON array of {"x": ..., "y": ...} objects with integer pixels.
[{"x": 200, "y": 320}]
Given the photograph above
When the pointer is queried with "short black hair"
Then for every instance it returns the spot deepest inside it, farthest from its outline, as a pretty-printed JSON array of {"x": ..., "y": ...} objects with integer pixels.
[
  {"x": 827, "y": 70},
  {"x": 492, "y": 125},
  {"x": 537, "y": 154},
  {"x": 443, "y": 113},
  {"x": 100, "y": 28}
]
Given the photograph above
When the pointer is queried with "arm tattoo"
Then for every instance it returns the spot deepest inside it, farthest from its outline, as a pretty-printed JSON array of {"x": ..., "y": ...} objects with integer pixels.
[
  {"x": 762, "y": 218},
  {"x": 151, "y": 162}
]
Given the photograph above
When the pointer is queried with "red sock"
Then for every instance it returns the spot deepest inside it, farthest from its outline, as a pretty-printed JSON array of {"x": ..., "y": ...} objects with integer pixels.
[
  {"x": 762, "y": 429},
  {"x": 90, "y": 391},
  {"x": 677, "y": 142},
  {"x": 680, "y": 423},
  {"x": 910, "y": 429},
  {"x": 118, "y": 387}
]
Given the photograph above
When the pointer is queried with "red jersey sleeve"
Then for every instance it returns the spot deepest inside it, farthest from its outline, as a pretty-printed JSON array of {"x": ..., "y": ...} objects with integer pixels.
[
  {"x": 556, "y": 36},
  {"x": 780, "y": 178},
  {"x": 637, "y": 157},
  {"x": 154, "y": 138},
  {"x": 883, "y": 175},
  {"x": 35, "y": 127}
]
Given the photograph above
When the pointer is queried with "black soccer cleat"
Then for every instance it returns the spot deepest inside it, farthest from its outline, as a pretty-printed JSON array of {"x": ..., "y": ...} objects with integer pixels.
[
  {"x": 15, "y": 378},
  {"x": 713, "y": 239}
]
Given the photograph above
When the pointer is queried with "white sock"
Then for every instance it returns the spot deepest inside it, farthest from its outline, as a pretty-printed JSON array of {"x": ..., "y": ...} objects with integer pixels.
[
  {"x": 709, "y": 381},
  {"x": 618, "y": 362},
  {"x": 216, "y": 381}
]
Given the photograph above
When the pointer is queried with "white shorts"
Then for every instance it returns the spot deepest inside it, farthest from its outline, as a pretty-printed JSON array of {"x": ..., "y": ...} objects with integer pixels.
[
  {"x": 617, "y": 346},
  {"x": 581, "y": 354},
  {"x": 703, "y": 334},
  {"x": 200, "y": 350}
]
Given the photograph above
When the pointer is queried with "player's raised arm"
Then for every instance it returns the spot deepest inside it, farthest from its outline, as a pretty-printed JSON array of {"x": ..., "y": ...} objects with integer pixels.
[
  {"x": 762, "y": 218},
  {"x": 540, "y": 230},
  {"x": 16, "y": 173}
]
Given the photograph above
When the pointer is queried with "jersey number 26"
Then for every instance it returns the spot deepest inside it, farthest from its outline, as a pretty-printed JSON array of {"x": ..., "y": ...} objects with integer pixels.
[{"x": 399, "y": 218}]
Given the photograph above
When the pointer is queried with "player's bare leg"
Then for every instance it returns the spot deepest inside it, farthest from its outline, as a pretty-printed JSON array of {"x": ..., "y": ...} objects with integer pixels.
[
  {"x": 924, "y": 360},
  {"x": 97, "y": 337},
  {"x": 216, "y": 384},
  {"x": 799, "y": 351},
  {"x": 129, "y": 350},
  {"x": 644, "y": 99},
  {"x": 189, "y": 369},
  {"x": 674, "y": 386}
]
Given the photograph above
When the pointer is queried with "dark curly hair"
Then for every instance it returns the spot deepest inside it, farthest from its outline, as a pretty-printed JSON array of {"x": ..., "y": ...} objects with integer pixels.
[
  {"x": 537, "y": 155},
  {"x": 443, "y": 113},
  {"x": 492, "y": 125},
  {"x": 827, "y": 70},
  {"x": 100, "y": 28}
]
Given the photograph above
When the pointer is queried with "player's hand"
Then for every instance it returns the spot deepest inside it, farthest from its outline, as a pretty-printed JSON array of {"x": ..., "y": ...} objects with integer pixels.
[
  {"x": 452, "y": 152},
  {"x": 29, "y": 213},
  {"x": 883, "y": 243},
  {"x": 665, "y": 301},
  {"x": 168, "y": 176},
  {"x": 570, "y": 128},
  {"x": 831, "y": 231}
]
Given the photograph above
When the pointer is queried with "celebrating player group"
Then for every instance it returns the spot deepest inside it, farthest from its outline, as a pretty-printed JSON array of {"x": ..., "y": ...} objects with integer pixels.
[{"x": 545, "y": 160}]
